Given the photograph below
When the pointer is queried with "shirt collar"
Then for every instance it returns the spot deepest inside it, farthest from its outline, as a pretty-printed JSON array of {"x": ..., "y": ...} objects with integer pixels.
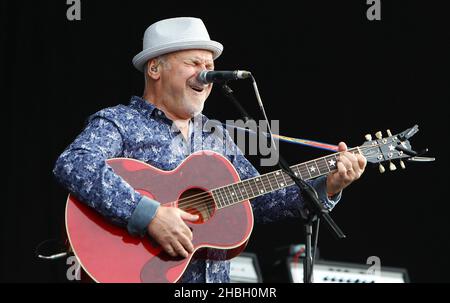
[
  {"x": 149, "y": 110},
  {"x": 142, "y": 106}
]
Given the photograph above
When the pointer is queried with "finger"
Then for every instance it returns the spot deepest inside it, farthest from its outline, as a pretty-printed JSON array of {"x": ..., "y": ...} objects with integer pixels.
[
  {"x": 179, "y": 249},
  {"x": 354, "y": 162},
  {"x": 187, "y": 216},
  {"x": 342, "y": 170},
  {"x": 351, "y": 175},
  {"x": 342, "y": 146},
  {"x": 347, "y": 163},
  {"x": 359, "y": 166},
  {"x": 187, "y": 231},
  {"x": 187, "y": 244},
  {"x": 362, "y": 162},
  {"x": 350, "y": 165},
  {"x": 352, "y": 168},
  {"x": 346, "y": 173},
  {"x": 169, "y": 249},
  {"x": 351, "y": 157}
]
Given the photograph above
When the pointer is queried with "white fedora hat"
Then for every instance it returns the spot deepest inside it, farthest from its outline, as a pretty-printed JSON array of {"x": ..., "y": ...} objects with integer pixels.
[{"x": 171, "y": 35}]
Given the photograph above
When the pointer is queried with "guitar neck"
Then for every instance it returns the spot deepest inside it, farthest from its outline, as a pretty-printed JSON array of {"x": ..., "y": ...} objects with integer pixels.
[{"x": 254, "y": 187}]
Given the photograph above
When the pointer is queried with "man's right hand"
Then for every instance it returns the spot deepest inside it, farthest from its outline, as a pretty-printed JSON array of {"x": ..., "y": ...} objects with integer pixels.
[{"x": 170, "y": 231}]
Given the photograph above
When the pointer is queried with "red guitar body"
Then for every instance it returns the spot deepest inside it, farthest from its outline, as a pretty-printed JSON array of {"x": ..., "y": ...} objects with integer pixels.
[{"x": 109, "y": 254}]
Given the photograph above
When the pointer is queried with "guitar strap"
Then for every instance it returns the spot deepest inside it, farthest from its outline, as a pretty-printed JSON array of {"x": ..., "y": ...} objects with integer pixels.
[{"x": 304, "y": 142}]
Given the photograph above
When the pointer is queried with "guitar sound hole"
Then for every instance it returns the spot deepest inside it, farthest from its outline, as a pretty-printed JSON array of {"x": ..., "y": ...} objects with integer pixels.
[{"x": 199, "y": 202}]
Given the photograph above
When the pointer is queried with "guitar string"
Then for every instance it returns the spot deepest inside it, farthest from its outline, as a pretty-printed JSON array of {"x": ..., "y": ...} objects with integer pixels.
[
  {"x": 188, "y": 201},
  {"x": 206, "y": 196},
  {"x": 259, "y": 176},
  {"x": 265, "y": 180},
  {"x": 202, "y": 205},
  {"x": 199, "y": 204}
]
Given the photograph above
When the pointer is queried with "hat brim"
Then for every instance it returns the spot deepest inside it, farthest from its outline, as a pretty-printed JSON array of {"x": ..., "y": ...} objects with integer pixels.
[{"x": 140, "y": 59}]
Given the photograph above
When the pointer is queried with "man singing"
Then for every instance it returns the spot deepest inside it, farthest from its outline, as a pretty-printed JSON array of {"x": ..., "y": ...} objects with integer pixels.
[{"x": 157, "y": 128}]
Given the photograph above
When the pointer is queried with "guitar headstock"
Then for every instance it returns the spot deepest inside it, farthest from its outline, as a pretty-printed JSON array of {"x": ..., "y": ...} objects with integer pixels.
[{"x": 387, "y": 149}]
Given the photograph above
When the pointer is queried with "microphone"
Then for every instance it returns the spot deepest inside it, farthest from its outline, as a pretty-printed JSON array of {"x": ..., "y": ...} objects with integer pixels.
[{"x": 211, "y": 76}]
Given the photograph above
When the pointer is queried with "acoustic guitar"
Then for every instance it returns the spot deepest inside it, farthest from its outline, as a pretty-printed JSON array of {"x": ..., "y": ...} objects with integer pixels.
[{"x": 207, "y": 184}]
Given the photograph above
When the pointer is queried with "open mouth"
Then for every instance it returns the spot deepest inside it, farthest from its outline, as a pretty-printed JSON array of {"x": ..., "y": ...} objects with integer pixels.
[{"x": 197, "y": 88}]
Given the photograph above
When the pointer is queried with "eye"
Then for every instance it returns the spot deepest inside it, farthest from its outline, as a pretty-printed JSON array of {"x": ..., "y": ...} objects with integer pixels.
[{"x": 190, "y": 62}]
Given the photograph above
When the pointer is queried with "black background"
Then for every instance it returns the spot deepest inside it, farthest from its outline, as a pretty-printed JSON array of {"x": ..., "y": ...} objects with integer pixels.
[{"x": 324, "y": 71}]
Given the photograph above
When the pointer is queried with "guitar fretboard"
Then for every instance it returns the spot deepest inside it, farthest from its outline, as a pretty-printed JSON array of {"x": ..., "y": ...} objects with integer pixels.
[{"x": 267, "y": 183}]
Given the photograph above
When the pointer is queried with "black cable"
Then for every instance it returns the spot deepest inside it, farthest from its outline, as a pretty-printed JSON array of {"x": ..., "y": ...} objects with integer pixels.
[{"x": 56, "y": 255}]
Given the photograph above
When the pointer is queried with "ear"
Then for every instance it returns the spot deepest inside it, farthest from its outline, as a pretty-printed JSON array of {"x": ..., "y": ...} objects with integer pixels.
[{"x": 153, "y": 70}]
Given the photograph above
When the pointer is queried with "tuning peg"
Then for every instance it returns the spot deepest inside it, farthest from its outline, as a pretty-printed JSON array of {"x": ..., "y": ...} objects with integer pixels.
[
  {"x": 368, "y": 137},
  {"x": 381, "y": 168},
  {"x": 402, "y": 164},
  {"x": 389, "y": 133},
  {"x": 379, "y": 135},
  {"x": 392, "y": 166}
]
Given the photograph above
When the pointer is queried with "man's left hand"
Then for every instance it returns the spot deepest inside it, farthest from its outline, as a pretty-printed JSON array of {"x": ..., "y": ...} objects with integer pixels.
[{"x": 350, "y": 167}]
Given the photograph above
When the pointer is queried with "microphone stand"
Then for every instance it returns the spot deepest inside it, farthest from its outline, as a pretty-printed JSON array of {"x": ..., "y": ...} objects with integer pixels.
[{"x": 313, "y": 209}]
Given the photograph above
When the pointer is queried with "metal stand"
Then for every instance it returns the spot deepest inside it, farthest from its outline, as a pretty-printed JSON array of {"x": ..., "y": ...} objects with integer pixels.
[{"x": 313, "y": 209}]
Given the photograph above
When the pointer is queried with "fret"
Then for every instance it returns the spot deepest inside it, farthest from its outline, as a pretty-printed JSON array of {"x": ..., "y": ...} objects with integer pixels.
[
  {"x": 331, "y": 162},
  {"x": 276, "y": 174},
  {"x": 257, "y": 186},
  {"x": 225, "y": 192},
  {"x": 298, "y": 173},
  {"x": 240, "y": 187},
  {"x": 312, "y": 169},
  {"x": 323, "y": 168},
  {"x": 248, "y": 190},
  {"x": 225, "y": 196},
  {"x": 230, "y": 197},
  {"x": 304, "y": 168},
  {"x": 245, "y": 186},
  {"x": 326, "y": 162},
  {"x": 219, "y": 197},
  {"x": 260, "y": 191},
  {"x": 270, "y": 182},
  {"x": 251, "y": 187},
  {"x": 284, "y": 178},
  {"x": 255, "y": 189},
  {"x": 234, "y": 193},
  {"x": 264, "y": 185},
  {"x": 287, "y": 178}
]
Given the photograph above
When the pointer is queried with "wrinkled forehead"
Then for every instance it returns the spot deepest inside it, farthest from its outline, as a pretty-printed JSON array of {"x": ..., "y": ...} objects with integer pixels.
[{"x": 204, "y": 56}]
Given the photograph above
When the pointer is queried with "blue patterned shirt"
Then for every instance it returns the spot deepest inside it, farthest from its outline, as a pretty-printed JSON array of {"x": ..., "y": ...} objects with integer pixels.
[{"x": 143, "y": 132}]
